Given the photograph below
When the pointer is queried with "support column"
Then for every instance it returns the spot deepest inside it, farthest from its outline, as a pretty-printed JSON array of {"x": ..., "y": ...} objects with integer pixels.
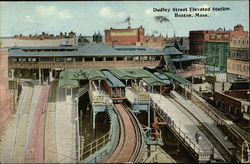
[
  {"x": 12, "y": 73},
  {"x": 50, "y": 75},
  {"x": 39, "y": 76},
  {"x": 99, "y": 85}
]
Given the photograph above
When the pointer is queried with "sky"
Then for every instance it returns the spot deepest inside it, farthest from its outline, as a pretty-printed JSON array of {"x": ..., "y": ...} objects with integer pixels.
[{"x": 86, "y": 18}]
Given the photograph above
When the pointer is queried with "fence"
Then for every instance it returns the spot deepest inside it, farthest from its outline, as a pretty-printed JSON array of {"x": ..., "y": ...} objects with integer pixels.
[
  {"x": 91, "y": 148},
  {"x": 143, "y": 95}
]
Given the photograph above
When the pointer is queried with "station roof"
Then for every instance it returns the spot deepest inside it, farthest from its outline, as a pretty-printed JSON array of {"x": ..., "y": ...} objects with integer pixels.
[
  {"x": 86, "y": 73},
  {"x": 177, "y": 78},
  {"x": 112, "y": 80},
  {"x": 188, "y": 58},
  {"x": 152, "y": 80},
  {"x": 98, "y": 49},
  {"x": 128, "y": 73},
  {"x": 163, "y": 77},
  {"x": 69, "y": 78},
  {"x": 170, "y": 50},
  {"x": 66, "y": 80}
]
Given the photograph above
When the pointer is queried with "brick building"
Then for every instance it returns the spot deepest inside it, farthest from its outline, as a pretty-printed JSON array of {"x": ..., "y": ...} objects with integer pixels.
[
  {"x": 238, "y": 59},
  {"x": 235, "y": 103},
  {"x": 215, "y": 45},
  {"x": 156, "y": 42},
  {"x": 127, "y": 36},
  {"x": 6, "y": 100},
  {"x": 46, "y": 36}
]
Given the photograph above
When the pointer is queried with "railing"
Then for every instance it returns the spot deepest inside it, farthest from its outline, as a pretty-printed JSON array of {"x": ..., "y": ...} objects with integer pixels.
[
  {"x": 83, "y": 90},
  {"x": 152, "y": 158},
  {"x": 94, "y": 146},
  {"x": 143, "y": 95},
  {"x": 84, "y": 64},
  {"x": 191, "y": 71},
  {"x": 200, "y": 154},
  {"x": 105, "y": 145}
]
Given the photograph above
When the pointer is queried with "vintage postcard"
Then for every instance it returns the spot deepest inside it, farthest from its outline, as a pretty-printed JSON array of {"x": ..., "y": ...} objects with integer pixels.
[{"x": 124, "y": 81}]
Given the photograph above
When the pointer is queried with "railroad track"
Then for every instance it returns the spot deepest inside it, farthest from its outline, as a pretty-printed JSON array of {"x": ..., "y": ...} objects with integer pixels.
[
  {"x": 225, "y": 153},
  {"x": 131, "y": 141}
]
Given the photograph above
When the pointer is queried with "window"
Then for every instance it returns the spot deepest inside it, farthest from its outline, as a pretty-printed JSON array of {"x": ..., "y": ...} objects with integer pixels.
[
  {"x": 46, "y": 59},
  {"x": 88, "y": 58},
  {"x": 59, "y": 59},
  {"x": 119, "y": 59},
  {"x": 157, "y": 58},
  {"x": 109, "y": 59},
  {"x": 98, "y": 58},
  {"x": 69, "y": 59},
  {"x": 129, "y": 58},
  {"x": 34, "y": 59},
  {"x": 78, "y": 59}
]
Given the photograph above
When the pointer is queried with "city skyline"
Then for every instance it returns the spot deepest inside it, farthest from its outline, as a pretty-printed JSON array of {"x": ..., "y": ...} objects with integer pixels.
[{"x": 86, "y": 18}]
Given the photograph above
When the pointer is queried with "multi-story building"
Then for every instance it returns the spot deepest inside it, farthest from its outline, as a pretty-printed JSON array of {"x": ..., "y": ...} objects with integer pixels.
[
  {"x": 127, "y": 36},
  {"x": 156, "y": 42},
  {"x": 215, "y": 45},
  {"x": 238, "y": 59},
  {"x": 235, "y": 104}
]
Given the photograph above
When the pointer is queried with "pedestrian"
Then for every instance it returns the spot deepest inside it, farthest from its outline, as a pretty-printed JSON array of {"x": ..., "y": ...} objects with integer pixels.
[{"x": 197, "y": 136}]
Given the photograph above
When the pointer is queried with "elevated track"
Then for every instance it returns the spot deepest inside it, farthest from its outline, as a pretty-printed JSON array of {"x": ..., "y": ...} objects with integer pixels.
[{"x": 131, "y": 140}]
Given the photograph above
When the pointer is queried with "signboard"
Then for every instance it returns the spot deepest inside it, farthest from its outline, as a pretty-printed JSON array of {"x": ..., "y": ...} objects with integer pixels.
[
  {"x": 124, "y": 33},
  {"x": 238, "y": 67}
]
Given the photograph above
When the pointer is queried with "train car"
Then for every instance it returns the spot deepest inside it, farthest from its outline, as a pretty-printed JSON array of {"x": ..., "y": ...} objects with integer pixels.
[
  {"x": 114, "y": 87},
  {"x": 168, "y": 83}
]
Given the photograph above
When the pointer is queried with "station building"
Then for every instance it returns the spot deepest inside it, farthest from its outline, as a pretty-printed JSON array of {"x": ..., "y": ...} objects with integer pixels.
[{"x": 41, "y": 62}]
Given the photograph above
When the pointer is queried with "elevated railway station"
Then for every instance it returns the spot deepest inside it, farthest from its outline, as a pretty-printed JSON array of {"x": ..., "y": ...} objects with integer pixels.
[{"x": 118, "y": 83}]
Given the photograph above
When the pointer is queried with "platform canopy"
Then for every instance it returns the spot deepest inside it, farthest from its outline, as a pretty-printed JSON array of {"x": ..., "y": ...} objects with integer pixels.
[
  {"x": 177, "y": 78},
  {"x": 129, "y": 73},
  {"x": 152, "y": 80},
  {"x": 66, "y": 80},
  {"x": 69, "y": 78}
]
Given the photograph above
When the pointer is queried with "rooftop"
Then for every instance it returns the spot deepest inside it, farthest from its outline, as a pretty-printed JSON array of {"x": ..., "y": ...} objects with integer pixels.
[{"x": 98, "y": 49}]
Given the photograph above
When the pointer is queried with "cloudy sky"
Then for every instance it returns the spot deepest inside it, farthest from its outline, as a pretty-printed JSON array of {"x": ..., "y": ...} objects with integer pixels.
[{"x": 88, "y": 17}]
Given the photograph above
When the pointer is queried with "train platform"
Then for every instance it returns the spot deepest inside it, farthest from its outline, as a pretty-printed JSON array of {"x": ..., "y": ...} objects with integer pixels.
[
  {"x": 204, "y": 118},
  {"x": 185, "y": 124},
  {"x": 65, "y": 128},
  {"x": 131, "y": 95}
]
